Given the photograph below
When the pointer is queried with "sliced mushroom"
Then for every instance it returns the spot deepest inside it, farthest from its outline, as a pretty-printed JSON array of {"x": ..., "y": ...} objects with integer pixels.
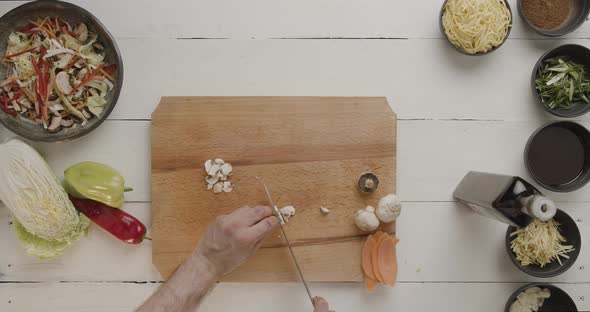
[
  {"x": 63, "y": 60},
  {"x": 208, "y": 165},
  {"x": 227, "y": 187},
  {"x": 67, "y": 123},
  {"x": 218, "y": 188},
  {"x": 82, "y": 32},
  {"x": 212, "y": 179},
  {"x": 226, "y": 169},
  {"x": 214, "y": 169},
  {"x": 62, "y": 81},
  {"x": 219, "y": 161},
  {"x": 224, "y": 178},
  {"x": 82, "y": 74},
  {"x": 55, "y": 124},
  {"x": 209, "y": 186}
]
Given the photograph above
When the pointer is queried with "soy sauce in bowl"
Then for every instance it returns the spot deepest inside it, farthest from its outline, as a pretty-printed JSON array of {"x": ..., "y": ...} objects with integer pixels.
[{"x": 557, "y": 156}]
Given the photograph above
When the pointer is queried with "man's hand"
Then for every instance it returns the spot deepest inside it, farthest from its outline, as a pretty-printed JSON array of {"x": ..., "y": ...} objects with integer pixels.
[
  {"x": 233, "y": 238},
  {"x": 320, "y": 305}
]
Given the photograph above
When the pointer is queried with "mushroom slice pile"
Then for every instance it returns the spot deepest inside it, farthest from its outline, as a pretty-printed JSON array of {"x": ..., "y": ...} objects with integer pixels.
[{"x": 218, "y": 172}]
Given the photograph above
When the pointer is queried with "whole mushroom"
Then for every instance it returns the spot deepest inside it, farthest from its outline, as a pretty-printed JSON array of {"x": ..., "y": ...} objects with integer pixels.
[
  {"x": 366, "y": 219},
  {"x": 389, "y": 208}
]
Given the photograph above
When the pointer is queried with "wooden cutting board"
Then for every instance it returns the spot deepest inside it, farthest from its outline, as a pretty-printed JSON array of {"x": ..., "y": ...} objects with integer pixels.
[{"x": 309, "y": 150}]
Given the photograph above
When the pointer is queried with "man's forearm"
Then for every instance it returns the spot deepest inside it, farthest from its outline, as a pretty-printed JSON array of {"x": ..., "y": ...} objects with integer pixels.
[{"x": 185, "y": 289}]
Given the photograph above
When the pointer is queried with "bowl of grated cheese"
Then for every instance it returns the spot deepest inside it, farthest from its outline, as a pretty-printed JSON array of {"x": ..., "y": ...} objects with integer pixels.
[{"x": 545, "y": 249}]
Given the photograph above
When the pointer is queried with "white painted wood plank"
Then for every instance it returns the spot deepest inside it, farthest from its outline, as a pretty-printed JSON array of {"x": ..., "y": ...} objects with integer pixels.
[
  {"x": 97, "y": 257},
  {"x": 440, "y": 242},
  {"x": 461, "y": 297},
  {"x": 262, "y": 19},
  {"x": 433, "y": 156},
  {"x": 422, "y": 79},
  {"x": 124, "y": 146}
]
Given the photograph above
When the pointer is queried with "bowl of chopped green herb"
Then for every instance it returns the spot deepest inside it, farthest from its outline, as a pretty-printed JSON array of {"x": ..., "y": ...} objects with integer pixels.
[{"x": 561, "y": 80}]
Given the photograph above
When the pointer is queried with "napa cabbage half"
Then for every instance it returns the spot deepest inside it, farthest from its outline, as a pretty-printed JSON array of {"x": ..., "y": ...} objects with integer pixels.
[{"x": 45, "y": 220}]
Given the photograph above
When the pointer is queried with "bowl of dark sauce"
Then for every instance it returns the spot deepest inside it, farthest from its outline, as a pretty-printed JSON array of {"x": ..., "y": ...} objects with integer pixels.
[{"x": 557, "y": 156}]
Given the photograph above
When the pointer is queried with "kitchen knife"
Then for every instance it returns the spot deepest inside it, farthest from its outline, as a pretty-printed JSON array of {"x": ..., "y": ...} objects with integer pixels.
[{"x": 281, "y": 222}]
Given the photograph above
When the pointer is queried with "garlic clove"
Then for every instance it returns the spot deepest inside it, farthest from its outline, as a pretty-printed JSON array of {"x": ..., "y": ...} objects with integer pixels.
[{"x": 324, "y": 210}]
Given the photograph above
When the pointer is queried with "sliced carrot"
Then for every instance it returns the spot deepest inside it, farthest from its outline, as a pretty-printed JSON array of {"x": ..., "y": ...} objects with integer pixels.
[
  {"x": 366, "y": 262},
  {"x": 377, "y": 235},
  {"x": 370, "y": 283},
  {"x": 387, "y": 260},
  {"x": 375, "y": 257}
]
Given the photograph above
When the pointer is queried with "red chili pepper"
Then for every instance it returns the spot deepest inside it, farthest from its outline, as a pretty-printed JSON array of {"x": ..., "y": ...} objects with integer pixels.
[
  {"x": 18, "y": 53},
  {"x": 116, "y": 221}
]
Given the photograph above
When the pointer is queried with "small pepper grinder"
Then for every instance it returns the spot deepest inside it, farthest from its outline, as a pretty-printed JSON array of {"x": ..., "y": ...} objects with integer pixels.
[{"x": 508, "y": 199}]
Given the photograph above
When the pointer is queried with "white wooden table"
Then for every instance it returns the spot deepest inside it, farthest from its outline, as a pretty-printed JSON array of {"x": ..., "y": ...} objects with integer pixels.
[{"x": 456, "y": 113}]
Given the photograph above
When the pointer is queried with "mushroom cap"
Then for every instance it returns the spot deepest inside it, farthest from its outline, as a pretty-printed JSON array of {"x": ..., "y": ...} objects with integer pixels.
[
  {"x": 366, "y": 220},
  {"x": 389, "y": 208},
  {"x": 62, "y": 81}
]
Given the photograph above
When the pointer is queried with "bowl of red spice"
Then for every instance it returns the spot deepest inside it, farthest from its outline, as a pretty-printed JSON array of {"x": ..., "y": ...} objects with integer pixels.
[{"x": 554, "y": 18}]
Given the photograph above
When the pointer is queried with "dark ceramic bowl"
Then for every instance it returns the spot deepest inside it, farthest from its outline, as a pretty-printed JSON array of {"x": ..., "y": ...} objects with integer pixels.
[
  {"x": 569, "y": 230},
  {"x": 575, "y": 53},
  {"x": 442, "y": 29},
  {"x": 583, "y": 178},
  {"x": 20, "y": 17},
  {"x": 578, "y": 14},
  {"x": 559, "y": 301}
]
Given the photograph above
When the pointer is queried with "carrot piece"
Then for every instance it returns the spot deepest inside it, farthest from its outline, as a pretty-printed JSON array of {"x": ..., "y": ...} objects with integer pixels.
[
  {"x": 366, "y": 262},
  {"x": 375, "y": 257},
  {"x": 370, "y": 283},
  {"x": 387, "y": 260},
  {"x": 377, "y": 235}
]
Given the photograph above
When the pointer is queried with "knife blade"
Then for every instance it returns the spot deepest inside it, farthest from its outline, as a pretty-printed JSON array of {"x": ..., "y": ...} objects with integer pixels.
[{"x": 278, "y": 215}]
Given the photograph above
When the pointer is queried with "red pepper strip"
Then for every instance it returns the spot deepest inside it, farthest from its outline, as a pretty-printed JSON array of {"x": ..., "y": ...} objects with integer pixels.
[
  {"x": 5, "y": 100},
  {"x": 111, "y": 69},
  {"x": 115, "y": 221},
  {"x": 107, "y": 75},
  {"x": 88, "y": 79},
  {"x": 72, "y": 62},
  {"x": 18, "y": 53}
]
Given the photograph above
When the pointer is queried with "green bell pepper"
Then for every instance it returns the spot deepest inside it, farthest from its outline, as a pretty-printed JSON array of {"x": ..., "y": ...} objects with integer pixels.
[{"x": 95, "y": 181}]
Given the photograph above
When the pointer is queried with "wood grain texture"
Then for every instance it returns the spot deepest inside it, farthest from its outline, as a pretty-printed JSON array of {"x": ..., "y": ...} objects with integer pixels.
[{"x": 309, "y": 150}]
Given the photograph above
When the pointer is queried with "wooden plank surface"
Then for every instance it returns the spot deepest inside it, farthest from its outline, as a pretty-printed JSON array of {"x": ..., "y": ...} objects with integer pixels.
[{"x": 309, "y": 150}]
